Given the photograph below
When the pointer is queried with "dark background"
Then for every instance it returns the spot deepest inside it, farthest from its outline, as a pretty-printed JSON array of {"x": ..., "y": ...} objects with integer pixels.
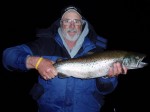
[{"x": 125, "y": 23}]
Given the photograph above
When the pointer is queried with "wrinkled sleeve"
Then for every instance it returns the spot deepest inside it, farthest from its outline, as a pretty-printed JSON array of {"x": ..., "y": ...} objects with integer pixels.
[
  {"x": 14, "y": 58},
  {"x": 106, "y": 85}
]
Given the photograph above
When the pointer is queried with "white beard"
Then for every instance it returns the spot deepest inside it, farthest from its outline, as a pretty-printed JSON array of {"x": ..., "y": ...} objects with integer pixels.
[
  {"x": 74, "y": 38},
  {"x": 68, "y": 37}
]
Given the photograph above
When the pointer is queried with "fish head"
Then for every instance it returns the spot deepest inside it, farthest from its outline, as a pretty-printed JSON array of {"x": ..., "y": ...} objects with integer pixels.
[{"x": 134, "y": 61}]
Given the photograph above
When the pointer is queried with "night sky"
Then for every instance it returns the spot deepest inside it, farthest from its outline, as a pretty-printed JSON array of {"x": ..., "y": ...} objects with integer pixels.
[{"x": 125, "y": 23}]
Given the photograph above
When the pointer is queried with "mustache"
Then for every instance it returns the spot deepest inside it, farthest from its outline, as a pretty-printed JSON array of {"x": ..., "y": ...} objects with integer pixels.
[{"x": 71, "y": 30}]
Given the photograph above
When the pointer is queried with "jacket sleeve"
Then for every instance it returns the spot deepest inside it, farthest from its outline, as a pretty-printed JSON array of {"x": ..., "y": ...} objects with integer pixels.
[
  {"x": 106, "y": 85},
  {"x": 14, "y": 58}
]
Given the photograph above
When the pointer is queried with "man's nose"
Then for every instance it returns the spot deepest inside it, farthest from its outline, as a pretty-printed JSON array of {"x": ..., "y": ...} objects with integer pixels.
[{"x": 72, "y": 24}]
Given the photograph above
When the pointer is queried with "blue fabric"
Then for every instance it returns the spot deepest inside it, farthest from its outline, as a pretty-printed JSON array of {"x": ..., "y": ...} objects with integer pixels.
[{"x": 14, "y": 58}]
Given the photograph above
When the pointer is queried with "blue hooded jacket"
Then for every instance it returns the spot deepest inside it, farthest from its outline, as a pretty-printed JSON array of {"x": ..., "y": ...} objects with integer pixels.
[{"x": 62, "y": 94}]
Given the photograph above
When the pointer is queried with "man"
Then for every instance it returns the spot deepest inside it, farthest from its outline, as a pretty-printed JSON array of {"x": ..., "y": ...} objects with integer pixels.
[{"x": 71, "y": 36}]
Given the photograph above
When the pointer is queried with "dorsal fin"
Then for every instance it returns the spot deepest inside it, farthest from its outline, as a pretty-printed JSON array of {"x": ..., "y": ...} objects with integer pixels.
[{"x": 59, "y": 59}]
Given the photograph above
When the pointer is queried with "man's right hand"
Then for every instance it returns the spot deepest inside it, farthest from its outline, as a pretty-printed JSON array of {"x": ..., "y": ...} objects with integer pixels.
[{"x": 45, "y": 67}]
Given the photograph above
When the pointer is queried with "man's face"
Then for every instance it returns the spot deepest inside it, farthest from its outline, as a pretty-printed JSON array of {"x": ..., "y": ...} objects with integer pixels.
[{"x": 71, "y": 25}]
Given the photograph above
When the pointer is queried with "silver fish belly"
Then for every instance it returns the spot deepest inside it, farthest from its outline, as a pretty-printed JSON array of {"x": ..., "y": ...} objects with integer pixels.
[{"x": 98, "y": 64}]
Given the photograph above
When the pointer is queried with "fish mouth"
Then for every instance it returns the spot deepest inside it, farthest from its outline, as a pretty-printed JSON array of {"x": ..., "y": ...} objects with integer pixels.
[{"x": 141, "y": 64}]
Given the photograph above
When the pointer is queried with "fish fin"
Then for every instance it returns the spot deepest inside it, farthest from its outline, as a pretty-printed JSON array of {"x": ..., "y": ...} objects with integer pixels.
[
  {"x": 61, "y": 75},
  {"x": 90, "y": 52},
  {"x": 59, "y": 59}
]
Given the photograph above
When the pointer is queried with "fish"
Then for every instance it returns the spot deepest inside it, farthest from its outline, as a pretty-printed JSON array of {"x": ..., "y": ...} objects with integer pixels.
[{"x": 98, "y": 64}]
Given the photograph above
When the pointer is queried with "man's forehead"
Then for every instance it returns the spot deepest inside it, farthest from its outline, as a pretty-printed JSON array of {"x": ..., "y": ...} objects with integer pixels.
[{"x": 71, "y": 11}]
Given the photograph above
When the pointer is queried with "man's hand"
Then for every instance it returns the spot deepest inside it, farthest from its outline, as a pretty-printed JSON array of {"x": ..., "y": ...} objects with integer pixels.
[
  {"x": 45, "y": 67},
  {"x": 117, "y": 69}
]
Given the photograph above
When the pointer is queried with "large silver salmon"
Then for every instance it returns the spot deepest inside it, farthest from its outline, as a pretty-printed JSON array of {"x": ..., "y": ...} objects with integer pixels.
[{"x": 98, "y": 64}]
